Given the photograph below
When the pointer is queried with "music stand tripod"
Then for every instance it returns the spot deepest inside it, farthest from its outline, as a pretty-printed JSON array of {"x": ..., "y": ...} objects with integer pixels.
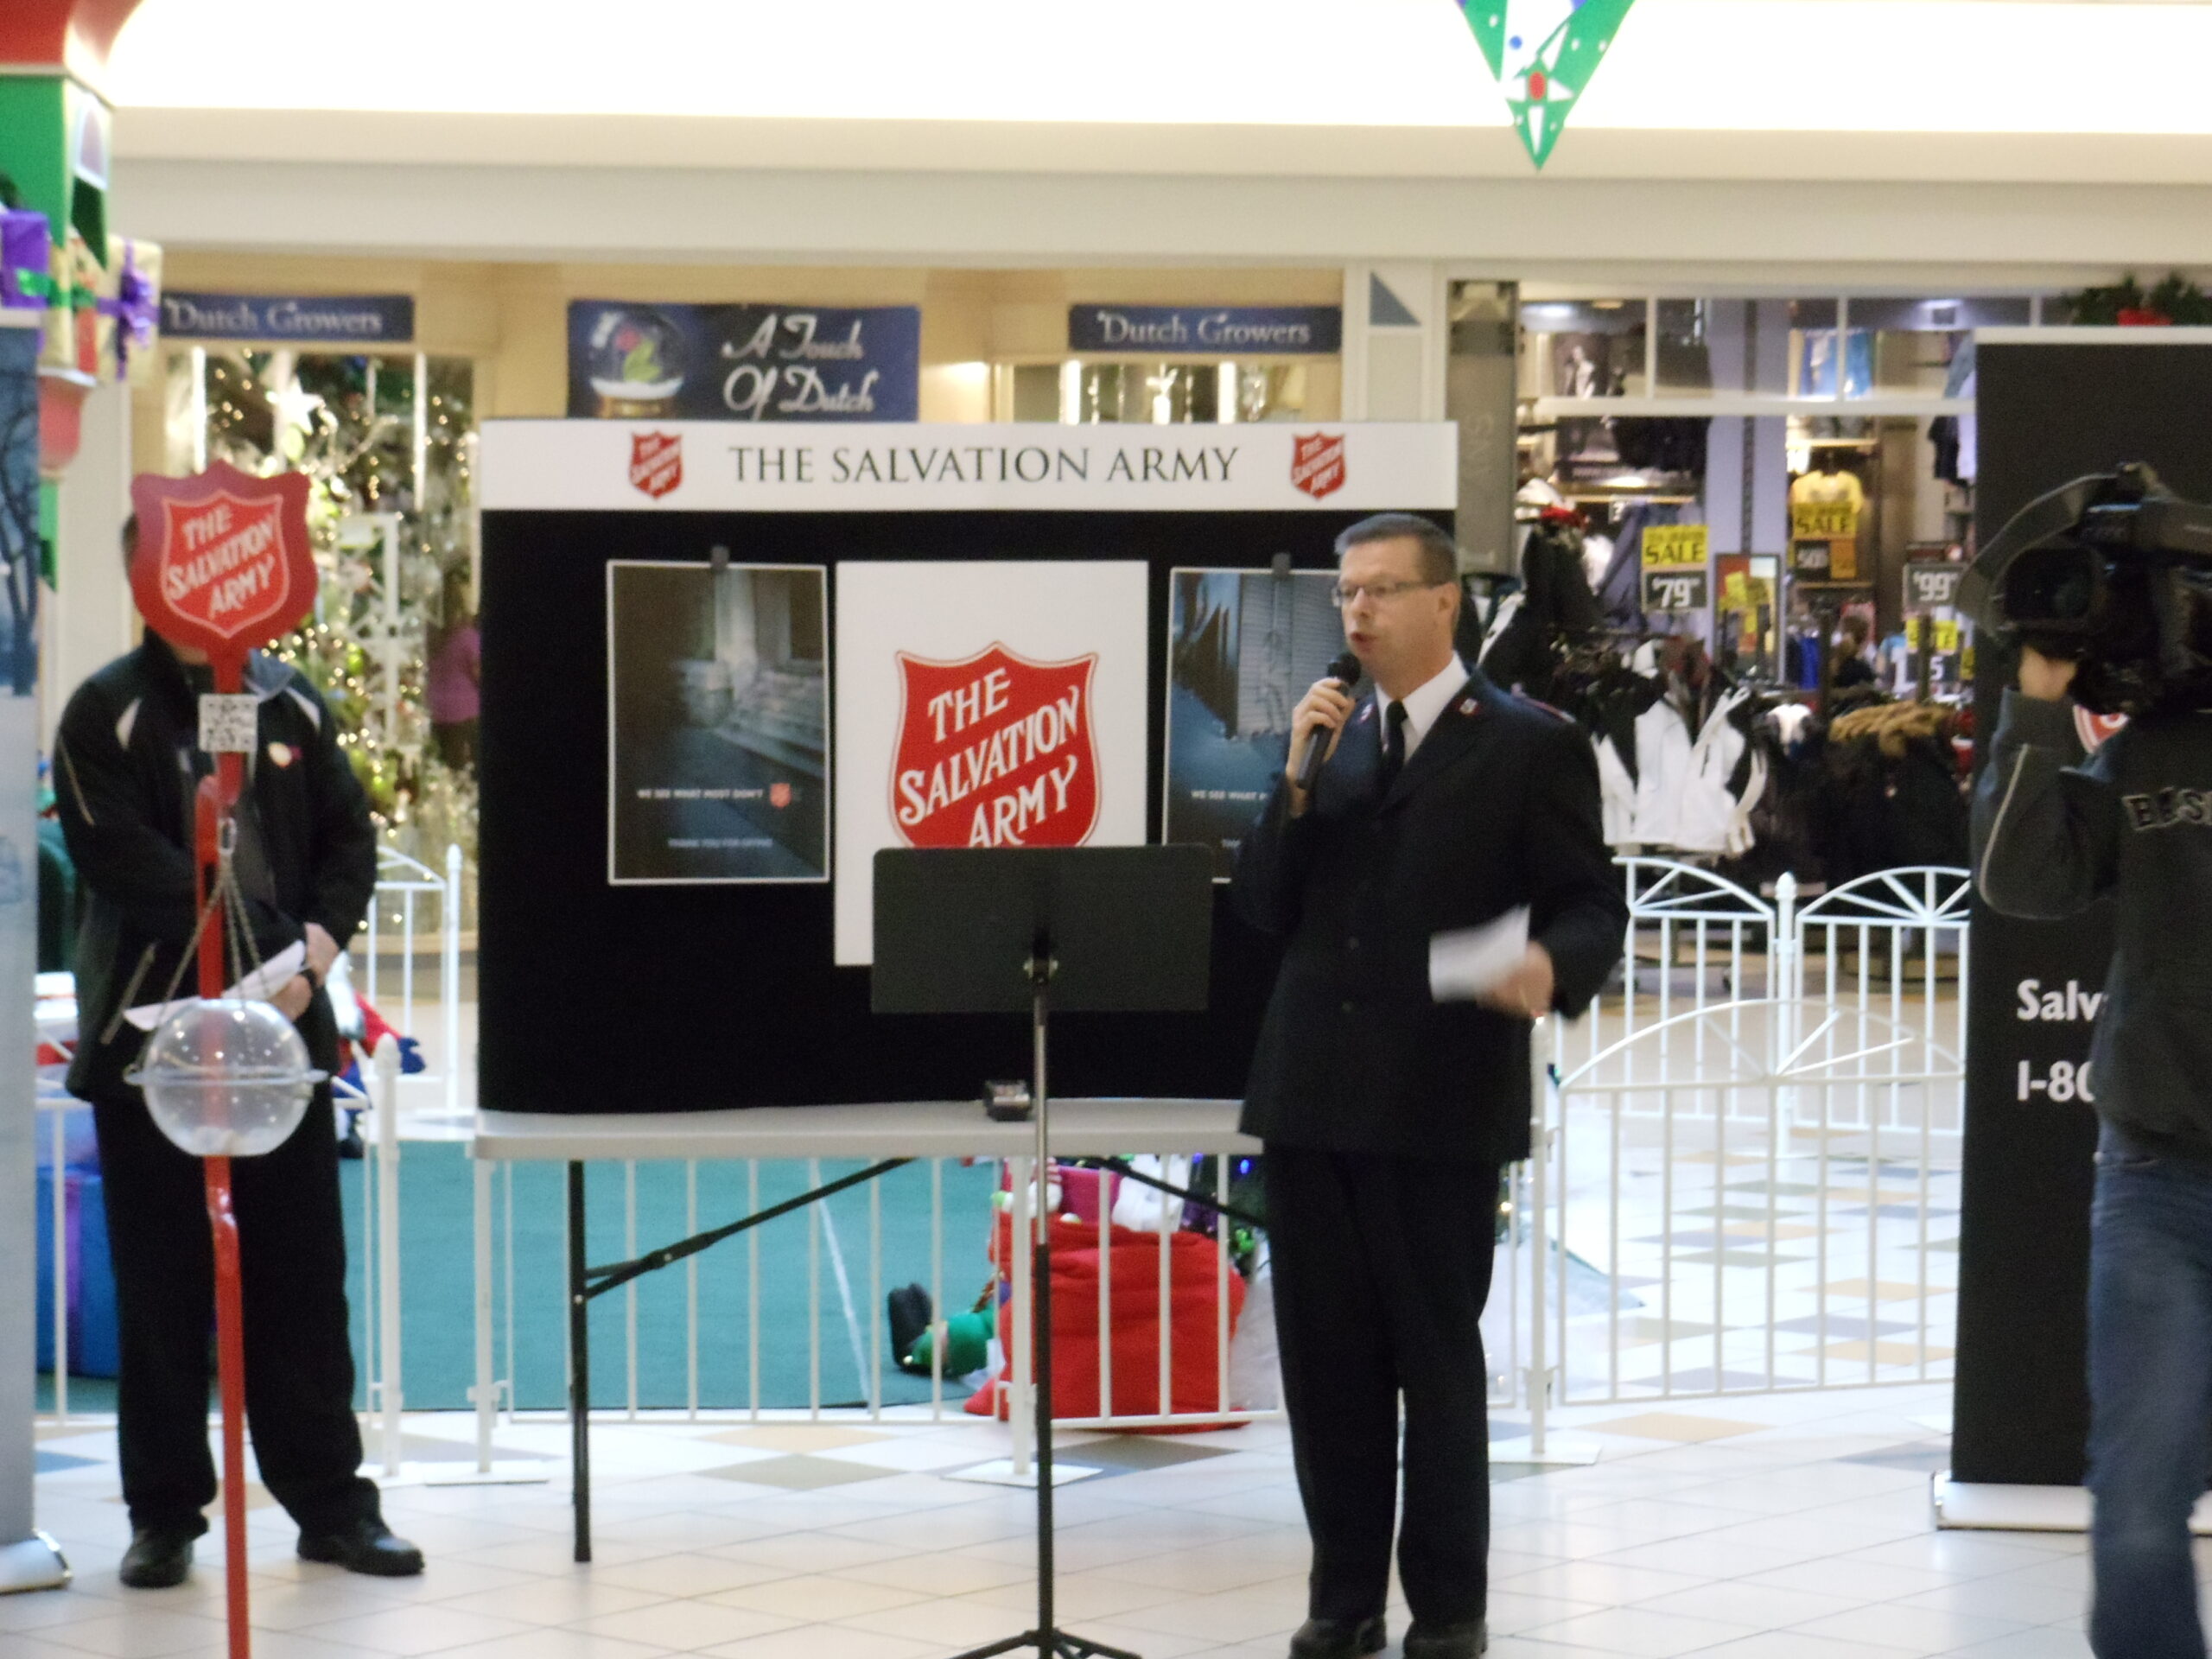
[{"x": 1079, "y": 930}]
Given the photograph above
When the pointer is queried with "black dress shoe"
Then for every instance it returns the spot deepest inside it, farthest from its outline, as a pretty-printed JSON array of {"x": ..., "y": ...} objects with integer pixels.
[
  {"x": 158, "y": 1559},
  {"x": 1339, "y": 1638},
  {"x": 367, "y": 1546},
  {"x": 1466, "y": 1641}
]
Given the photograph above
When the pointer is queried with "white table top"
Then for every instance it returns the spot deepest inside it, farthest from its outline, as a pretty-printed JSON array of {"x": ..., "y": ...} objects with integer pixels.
[{"x": 944, "y": 1128}]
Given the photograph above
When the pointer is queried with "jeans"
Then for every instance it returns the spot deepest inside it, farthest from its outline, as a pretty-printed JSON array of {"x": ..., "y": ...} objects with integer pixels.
[{"x": 2150, "y": 1396}]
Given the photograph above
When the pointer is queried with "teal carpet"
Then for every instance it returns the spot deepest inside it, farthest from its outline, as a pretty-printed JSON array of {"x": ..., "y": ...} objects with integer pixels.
[{"x": 437, "y": 1285}]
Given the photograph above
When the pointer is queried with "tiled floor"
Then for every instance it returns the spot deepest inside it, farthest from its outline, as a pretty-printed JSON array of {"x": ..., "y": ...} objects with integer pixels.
[{"x": 1755, "y": 1529}]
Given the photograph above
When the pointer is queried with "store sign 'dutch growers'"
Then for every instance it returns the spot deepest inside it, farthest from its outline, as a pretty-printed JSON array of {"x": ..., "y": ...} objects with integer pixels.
[
  {"x": 223, "y": 563},
  {"x": 296, "y": 319},
  {"x": 744, "y": 362},
  {"x": 1208, "y": 330}
]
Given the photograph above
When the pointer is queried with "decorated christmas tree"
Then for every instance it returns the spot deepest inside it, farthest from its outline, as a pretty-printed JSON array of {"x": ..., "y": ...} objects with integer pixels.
[{"x": 388, "y": 444}]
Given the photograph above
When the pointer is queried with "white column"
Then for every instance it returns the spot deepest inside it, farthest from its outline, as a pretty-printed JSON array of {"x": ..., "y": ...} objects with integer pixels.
[
  {"x": 88, "y": 619},
  {"x": 1397, "y": 339}
]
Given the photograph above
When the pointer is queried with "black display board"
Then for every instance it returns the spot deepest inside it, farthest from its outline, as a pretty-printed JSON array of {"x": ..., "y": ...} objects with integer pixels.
[
  {"x": 2049, "y": 412},
  {"x": 603, "y": 998}
]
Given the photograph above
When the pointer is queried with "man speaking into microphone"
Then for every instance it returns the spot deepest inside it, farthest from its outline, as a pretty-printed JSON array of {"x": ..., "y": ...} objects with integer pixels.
[{"x": 1441, "y": 806}]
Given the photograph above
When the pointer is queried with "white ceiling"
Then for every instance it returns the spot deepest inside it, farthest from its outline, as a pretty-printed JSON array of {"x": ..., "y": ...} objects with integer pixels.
[{"x": 1897, "y": 67}]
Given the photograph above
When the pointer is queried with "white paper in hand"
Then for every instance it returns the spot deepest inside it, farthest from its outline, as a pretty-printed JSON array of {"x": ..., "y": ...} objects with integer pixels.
[
  {"x": 1469, "y": 961},
  {"x": 258, "y": 986}
]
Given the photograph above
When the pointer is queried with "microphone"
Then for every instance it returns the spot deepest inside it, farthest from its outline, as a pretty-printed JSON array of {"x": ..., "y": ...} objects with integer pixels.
[{"x": 1345, "y": 668}]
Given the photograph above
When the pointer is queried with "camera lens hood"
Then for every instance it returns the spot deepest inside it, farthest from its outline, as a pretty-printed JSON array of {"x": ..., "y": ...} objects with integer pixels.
[{"x": 2043, "y": 520}]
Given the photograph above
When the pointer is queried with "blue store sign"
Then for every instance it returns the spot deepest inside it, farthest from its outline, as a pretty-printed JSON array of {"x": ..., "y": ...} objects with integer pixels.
[
  {"x": 293, "y": 319},
  {"x": 744, "y": 362},
  {"x": 1208, "y": 330}
]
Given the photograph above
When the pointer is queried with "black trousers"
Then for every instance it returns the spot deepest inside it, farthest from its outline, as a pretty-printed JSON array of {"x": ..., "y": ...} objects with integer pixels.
[
  {"x": 299, "y": 1360},
  {"x": 1382, "y": 1266}
]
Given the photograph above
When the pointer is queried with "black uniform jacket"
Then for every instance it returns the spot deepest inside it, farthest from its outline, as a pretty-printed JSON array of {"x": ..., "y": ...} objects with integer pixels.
[
  {"x": 125, "y": 769},
  {"x": 1498, "y": 807}
]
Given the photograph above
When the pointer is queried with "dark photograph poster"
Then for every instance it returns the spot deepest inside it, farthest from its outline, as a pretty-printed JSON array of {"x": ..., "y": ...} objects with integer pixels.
[
  {"x": 718, "y": 723},
  {"x": 1243, "y": 648}
]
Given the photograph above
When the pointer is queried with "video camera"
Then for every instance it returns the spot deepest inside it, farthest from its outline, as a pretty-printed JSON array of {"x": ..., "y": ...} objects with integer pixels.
[{"x": 2113, "y": 571}]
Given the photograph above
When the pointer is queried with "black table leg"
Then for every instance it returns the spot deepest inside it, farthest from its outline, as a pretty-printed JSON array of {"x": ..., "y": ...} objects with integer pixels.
[{"x": 579, "y": 1366}]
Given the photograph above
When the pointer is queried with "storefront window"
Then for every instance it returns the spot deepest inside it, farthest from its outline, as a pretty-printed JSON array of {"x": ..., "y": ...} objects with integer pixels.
[
  {"x": 1584, "y": 348},
  {"x": 1685, "y": 354},
  {"x": 1078, "y": 392}
]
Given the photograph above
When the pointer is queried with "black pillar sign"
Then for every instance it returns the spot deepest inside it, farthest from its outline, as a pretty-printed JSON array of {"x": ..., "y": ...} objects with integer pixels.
[{"x": 2054, "y": 404}]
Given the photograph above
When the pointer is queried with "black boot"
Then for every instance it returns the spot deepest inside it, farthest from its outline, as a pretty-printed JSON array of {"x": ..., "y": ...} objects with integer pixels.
[
  {"x": 158, "y": 1559},
  {"x": 1339, "y": 1638},
  {"x": 364, "y": 1545},
  {"x": 1466, "y": 1641}
]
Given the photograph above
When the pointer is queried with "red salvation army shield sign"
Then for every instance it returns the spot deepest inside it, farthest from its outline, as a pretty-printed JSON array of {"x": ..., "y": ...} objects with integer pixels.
[
  {"x": 222, "y": 561},
  {"x": 656, "y": 461},
  {"x": 995, "y": 751},
  {"x": 1316, "y": 464}
]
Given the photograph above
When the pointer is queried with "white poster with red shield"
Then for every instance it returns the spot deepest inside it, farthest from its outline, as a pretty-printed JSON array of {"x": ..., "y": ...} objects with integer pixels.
[{"x": 984, "y": 704}]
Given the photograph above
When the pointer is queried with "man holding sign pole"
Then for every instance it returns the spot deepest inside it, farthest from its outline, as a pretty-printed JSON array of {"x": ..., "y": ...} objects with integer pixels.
[
  {"x": 1440, "y": 883},
  {"x": 128, "y": 759}
]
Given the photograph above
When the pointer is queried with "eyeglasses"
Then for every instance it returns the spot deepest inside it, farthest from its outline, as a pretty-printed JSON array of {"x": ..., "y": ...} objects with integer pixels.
[{"x": 1344, "y": 596}]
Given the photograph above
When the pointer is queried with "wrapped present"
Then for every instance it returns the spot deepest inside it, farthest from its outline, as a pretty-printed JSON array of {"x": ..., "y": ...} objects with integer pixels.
[
  {"x": 26, "y": 260},
  {"x": 73, "y": 318}
]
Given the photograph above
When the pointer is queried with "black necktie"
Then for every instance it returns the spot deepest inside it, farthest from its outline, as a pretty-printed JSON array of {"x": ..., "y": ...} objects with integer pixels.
[{"x": 1394, "y": 744}]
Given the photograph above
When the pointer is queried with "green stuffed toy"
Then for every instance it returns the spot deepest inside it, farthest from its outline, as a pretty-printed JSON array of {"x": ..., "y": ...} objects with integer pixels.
[{"x": 914, "y": 1333}]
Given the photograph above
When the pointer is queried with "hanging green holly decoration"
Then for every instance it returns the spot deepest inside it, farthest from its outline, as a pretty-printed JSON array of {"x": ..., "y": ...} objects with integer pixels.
[
  {"x": 1543, "y": 52},
  {"x": 2126, "y": 303}
]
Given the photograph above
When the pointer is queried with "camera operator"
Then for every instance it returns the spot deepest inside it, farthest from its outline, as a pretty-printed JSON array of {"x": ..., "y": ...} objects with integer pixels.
[{"x": 2054, "y": 833}]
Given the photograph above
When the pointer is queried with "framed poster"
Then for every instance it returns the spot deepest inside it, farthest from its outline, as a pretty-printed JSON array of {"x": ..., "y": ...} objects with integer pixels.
[
  {"x": 717, "y": 723},
  {"x": 985, "y": 703},
  {"x": 1243, "y": 648}
]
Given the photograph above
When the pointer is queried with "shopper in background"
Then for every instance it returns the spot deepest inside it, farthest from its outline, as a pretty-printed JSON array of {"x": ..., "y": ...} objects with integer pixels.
[
  {"x": 455, "y": 675},
  {"x": 126, "y": 768},
  {"x": 1852, "y": 667},
  {"x": 1444, "y": 804},
  {"x": 2053, "y": 834}
]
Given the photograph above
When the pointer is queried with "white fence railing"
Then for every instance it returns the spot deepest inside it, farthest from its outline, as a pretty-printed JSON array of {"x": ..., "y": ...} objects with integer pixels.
[
  {"x": 387, "y": 951},
  {"x": 1757, "y": 1192},
  {"x": 1745, "y": 1181}
]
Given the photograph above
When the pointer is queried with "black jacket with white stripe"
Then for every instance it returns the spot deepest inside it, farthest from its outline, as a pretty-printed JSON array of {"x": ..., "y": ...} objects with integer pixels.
[
  {"x": 2055, "y": 831},
  {"x": 126, "y": 766}
]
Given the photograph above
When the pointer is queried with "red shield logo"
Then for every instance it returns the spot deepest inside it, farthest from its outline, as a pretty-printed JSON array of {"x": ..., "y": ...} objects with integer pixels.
[
  {"x": 656, "y": 461},
  {"x": 1316, "y": 464},
  {"x": 995, "y": 751},
  {"x": 779, "y": 796},
  {"x": 2094, "y": 729},
  {"x": 222, "y": 561}
]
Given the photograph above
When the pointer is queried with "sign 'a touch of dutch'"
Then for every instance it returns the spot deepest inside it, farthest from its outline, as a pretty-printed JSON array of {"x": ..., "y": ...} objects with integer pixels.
[
  {"x": 222, "y": 561},
  {"x": 1543, "y": 52}
]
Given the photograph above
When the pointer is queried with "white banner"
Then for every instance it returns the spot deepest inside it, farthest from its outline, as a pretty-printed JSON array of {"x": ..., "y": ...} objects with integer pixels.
[
  {"x": 985, "y": 703},
  {"x": 719, "y": 467}
]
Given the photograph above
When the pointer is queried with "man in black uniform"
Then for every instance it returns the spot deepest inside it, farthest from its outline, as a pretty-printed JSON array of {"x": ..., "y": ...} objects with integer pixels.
[
  {"x": 1444, "y": 805},
  {"x": 125, "y": 772}
]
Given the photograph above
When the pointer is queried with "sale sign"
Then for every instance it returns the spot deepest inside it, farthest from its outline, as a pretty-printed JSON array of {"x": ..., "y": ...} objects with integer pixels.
[
  {"x": 223, "y": 563},
  {"x": 995, "y": 751}
]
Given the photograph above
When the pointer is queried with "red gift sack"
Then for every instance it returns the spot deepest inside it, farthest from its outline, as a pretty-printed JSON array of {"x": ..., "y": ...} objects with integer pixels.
[{"x": 1194, "y": 1324}]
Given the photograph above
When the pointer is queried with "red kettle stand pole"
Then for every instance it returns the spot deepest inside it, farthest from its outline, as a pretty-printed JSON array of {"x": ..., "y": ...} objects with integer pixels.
[{"x": 214, "y": 803}]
